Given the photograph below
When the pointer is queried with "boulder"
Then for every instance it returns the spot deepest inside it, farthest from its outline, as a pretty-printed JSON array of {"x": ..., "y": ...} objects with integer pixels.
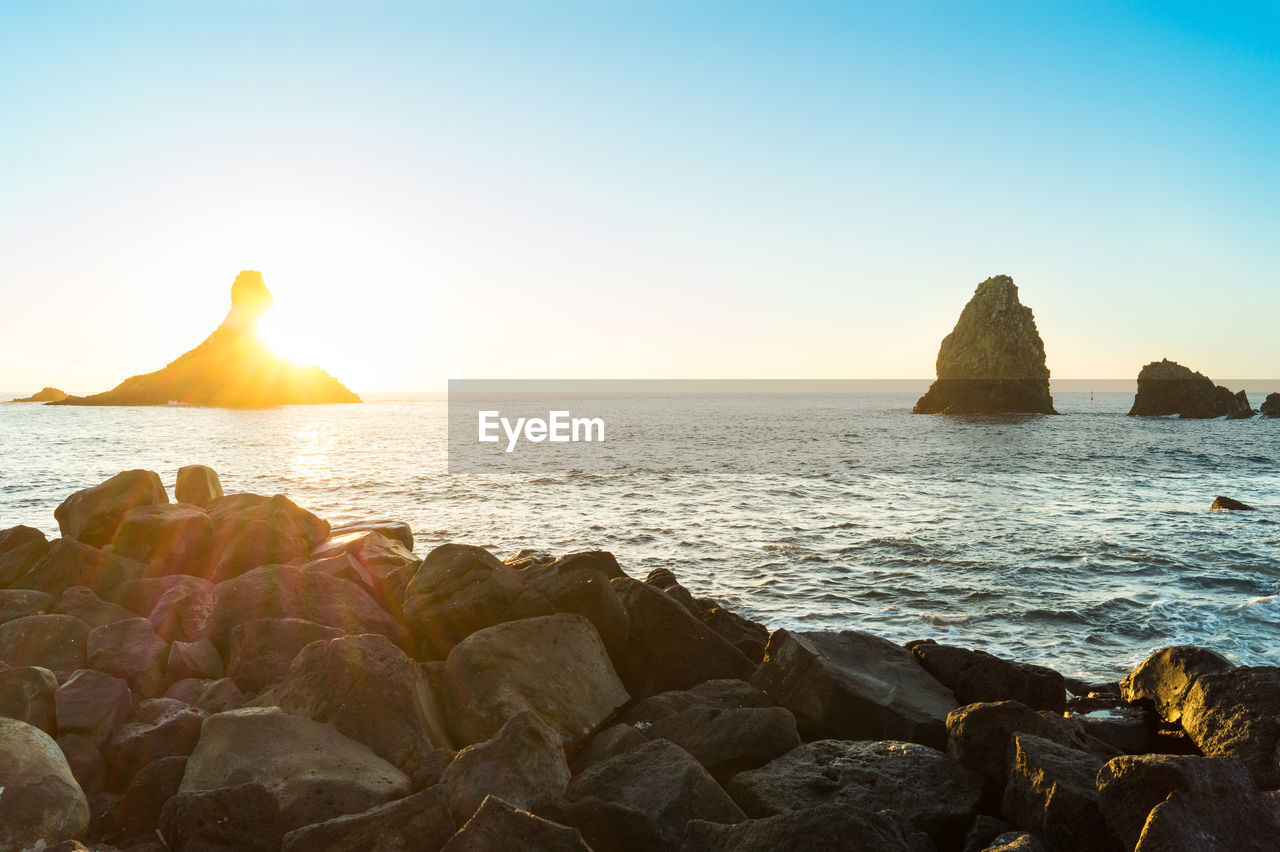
[
  {"x": 93, "y": 703},
  {"x": 728, "y": 726},
  {"x": 1166, "y": 388},
  {"x": 263, "y": 649},
  {"x": 233, "y": 514},
  {"x": 980, "y": 735},
  {"x": 81, "y": 602},
  {"x": 1115, "y": 722},
  {"x": 41, "y": 802},
  {"x": 69, "y": 563},
  {"x": 183, "y": 610},
  {"x": 143, "y": 595},
  {"x": 1184, "y": 821},
  {"x": 93, "y": 514},
  {"x": 599, "y": 560},
  {"x": 1270, "y": 406},
  {"x": 662, "y": 784},
  {"x": 1015, "y": 841},
  {"x": 993, "y": 361},
  {"x": 586, "y": 591},
  {"x": 87, "y": 764},
  {"x": 383, "y": 564},
  {"x": 258, "y": 543},
  {"x": 311, "y": 771},
  {"x": 197, "y": 485},
  {"x": 232, "y": 368},
  {"x": 407, "y": 725},
  {"x": 397, "y": 531},
  {"x": 283, "y": 591},
  {"x": 417, "y": 823},
  {"x": 749, "y": 637},
  {"x": 137, "y": 813},
  {"x": 1219, "y": 790},
  {"x": 54, "y": 642},
  {"x": 27, "y": 694},
  {"x": 197, "y": 659},
  {"x": 611, "y": 741},
  {"x": 169, "y": 538},
  {"x": 459, "y": 589},
  {"x": 500, "y": 825},
  {"x": 1162, "y": 680},
  {"x": 1051, "y": 793},
  {"x": 211, "y": 696},
  {"x": 523, "y": 764},
  {"x": 853, "y": 685},
  {"x": 159, "y": 727},
  {"x": 930, "y": 789},
  {"x": 235, "y": 818},
  {"x": 1236, "y": 713},
  {"x": 665, "y": 580},
  {"x": 668, "y": 648},
  {"x": 1228, "y": 504},
  {"x": 976, "y": 676},
  {"x": 20, "y": 548},
  {"x": 132, "y": 651},
  {"x": 829, "y": 827},
  {"x": 15, "y": 603},
  {"x": 555, "y": 665}
]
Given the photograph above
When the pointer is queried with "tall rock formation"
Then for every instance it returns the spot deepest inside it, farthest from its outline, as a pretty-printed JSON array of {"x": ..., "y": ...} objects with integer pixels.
[
  {"x": 993, "y": 360},
  {"x": 232, "y": 368},
  {"x": 1166, "y": 387}
]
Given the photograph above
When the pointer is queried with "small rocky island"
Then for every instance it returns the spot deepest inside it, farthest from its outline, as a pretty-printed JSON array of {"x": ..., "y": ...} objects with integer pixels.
[
  {"x": 232, "y": 368},
  {"x": 44, "y": 395},
  {"x": 230, "y": 672},
  {"x": 993, "y": 362},
  {"x": 1167, "y": 388}
]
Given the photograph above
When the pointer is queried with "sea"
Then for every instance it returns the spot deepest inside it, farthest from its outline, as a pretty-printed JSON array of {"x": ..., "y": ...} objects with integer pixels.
[{"x": 1082, "y": 541}]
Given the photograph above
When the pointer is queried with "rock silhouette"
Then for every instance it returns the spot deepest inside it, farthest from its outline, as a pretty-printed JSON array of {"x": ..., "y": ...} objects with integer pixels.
[
  {"x": 993, "y": 361},
  {"x": 44, "y": 395},
  {"x": 232, "y": 368},
  {"x": 1166, "y": 387},
  {"x": 1271, "y": 405}
]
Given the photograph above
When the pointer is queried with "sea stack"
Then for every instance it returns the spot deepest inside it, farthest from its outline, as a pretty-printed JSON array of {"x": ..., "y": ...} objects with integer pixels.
[
  {"x": 1270, "y": 406},
  {"x": 232, "y": 368},
  {"x": 993, "y": 360},
  {"x": 1166, "y": 388}
]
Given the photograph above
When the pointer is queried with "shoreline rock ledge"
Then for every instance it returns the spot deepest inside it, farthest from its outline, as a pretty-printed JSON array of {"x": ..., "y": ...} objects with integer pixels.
[
  {"x": 993, "y": 361},
  {"x": 1166, "y": 387},
  {"x": 232, "y": 368}
]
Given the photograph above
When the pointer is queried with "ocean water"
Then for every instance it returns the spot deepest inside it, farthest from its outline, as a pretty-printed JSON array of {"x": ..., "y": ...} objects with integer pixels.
[{"x": 1082, "y": 542}]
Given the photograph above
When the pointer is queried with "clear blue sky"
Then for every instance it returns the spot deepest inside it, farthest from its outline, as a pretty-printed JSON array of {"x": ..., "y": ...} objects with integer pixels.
[{"x": 659, "y": 189}]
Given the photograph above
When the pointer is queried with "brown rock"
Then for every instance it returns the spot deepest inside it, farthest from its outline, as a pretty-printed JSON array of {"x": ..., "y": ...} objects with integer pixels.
[
  {"x": 92, "y": 514},
  {"x": 417, "y": 823},
  {"x": 27, "y": 694},
  {"x": 523, "y": 764},
  {"x": 160, "y": 727},
  {"x": 15, "y": 603},
  {"x": 70, "y": 563},
  {"x": 1051, "y": 794},
  {"x": 20, "y": 548},
  {"x": 42, "y": 804},
  {"x": 197, "y": 485},
  {"x": 93, "y": 703},
  {"x": 130, "y": 650},
  {"x": 501, "y": 825},
  {"x": 241, "y": 817},
  {"x": 54, "y": 642},
  {"x": 170, "y": 538},
  {"x": 976, "y": 676},
  {"x": 263, "y": 649},
  {"x": 137, "y": 814},
  {"x": 1236, "y": 713},
  {"x": 830, "y": 827},
  {"x": 1163, "y": 679}
]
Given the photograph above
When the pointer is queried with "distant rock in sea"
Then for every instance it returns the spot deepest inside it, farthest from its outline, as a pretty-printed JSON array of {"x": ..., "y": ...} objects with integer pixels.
[
  {"x": 45, "y": 395},
  {"x": 1166, "y": 388},
  {"x": 1270, "y": 406},
  {"x": 232, "y": 368},
  {"x": 993, "y": 361}
]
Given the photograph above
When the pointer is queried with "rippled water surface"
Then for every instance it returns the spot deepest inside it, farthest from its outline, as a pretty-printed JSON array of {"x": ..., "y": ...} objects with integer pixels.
[{"x": 1080, "y": 541}]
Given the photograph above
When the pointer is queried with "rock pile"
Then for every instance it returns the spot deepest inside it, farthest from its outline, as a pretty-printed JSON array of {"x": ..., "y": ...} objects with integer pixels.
[
  {"x": 232, "y": 673},
  {"x": 1166, "y": 388},
  {"x": 993, "y": 361}
]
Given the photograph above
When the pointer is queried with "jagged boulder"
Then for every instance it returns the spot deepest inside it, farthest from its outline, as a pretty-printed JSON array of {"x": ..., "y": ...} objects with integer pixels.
[
  {"x": 27, "y": 693},
  {"x": 978, "y": 676},
  {"x": 1270, "y": 406},
  {"x": 413, "y": 824},
  {"x": 523, "y": 764},
  {"x": 497, "y": 824},
  {"x": 69, "y": 563},
  {"x": 830, "y": 827},
  {"x": 92, "y": 703},
  {"x": 1163, "y": 679},
  {"x": 1236, "y": 713},
  {"x": 993, "y": 361},
  {"x": 92, "y": 514},
  {"x": 1051, "y": 793},
  {"x": 1166, "y": 388},
  {"x": 169, "y": 538},
  {"x": 21, "y": 547}
]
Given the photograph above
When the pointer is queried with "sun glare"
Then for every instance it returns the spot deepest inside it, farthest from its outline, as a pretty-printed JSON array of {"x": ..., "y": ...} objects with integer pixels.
[{"x": 288, "y": 338}]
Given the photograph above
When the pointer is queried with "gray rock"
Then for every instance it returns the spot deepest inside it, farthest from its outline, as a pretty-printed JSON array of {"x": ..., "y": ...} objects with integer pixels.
[
  {"x": 394, "y": 530},
  {"x": 831, "y": 827},
  {"x": 263, "y": 649},
  {"x": 137, "y": 813},
  {"x": 1166, "y": 387},
  {"x": 555, "y": 665},
  {"x": 42, "y": 804},
  {"x": 930, "y": 789},
  {"x": 93, "y": 514},
  {"x": 1051, "y": 794},
  {"x": 197, "y": 659},
  {"x": 53, "y": 642},
  {"x": 610, "y": 742},
  {"x": 852, "y": 685},
  {"x": 237, "y": 818},
  {"x": 159, "y": 727},
  {"x": 500, "y": 825},
  {"x": 211, "y": 696},
  {"x": 85, "y": 759},
  {"x": 27, "y": 694},
  {"x": 523, "y": 764},
  {"x": 417, "y": 823},
  {"x": 93, "y": 703},
  {"x": 976, "y": 676},
  {"x": 1236, "y": 713},
  {"x": 586, "y": 591},
  {"x": 312, "y": 772},
  {"x": 132, "y": 651}
]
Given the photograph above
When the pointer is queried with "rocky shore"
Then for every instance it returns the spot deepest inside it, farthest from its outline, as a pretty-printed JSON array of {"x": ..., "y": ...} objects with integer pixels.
[{"x": 231, "y": 672}]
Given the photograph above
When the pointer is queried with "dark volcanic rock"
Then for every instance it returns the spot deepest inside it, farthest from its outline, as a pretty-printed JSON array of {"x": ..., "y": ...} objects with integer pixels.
[
  {"x": 241, "y": 817},
  {"x": 586, "y": 591},
  {"x": 500, "y": 825},
  {"x": 197, "y": 485},
  {"x": 94, "y": 704},
  {"x": 978, "y": 676},
  {"x": 555, "y": 665},
  {"x": 831, "y": 827},
  {"x": 1219, "y": 803},
  {"x": 170, "y": 538},
  {"x": 523, "y": 764},
  {"x": 1166, "y": 388},
  {"x": 54, "y": 642},
  {"x": 1229, "y": 504},
  {"x": 1236, "y": 713},
  {"x": 27, "y": 694},
  {"x": 160, "y": 727},
  {"x": 852, "y": 685},
  {"x": 42, "y": 804},
  {"x": 417, "y": 823},
  {"x": 1163, "y": 679},
  {"x": 1051, "y": 793},
  {"x": 16, "y": 603},
  {"x": 263, "y": 649},
  {"x": 92, "y": 515},
  {"x": 70, "y": 563},
  {"x": 138, "y": 811},
  {"x": 993, "y": 361},
  {"x": 82, "y": 603},
  {"x": 20, "y": 548},
  {"x": 933, "y": 791},
  {"x": 667, "y": 647},
  {"x": 232, "y": 368},
  {"x": 130, "y": 650},
  {"x": 1271, "y": 405}
]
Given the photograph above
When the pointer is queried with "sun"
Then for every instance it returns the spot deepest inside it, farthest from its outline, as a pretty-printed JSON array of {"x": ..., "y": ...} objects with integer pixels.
[{"x": 289, "y": 338}]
